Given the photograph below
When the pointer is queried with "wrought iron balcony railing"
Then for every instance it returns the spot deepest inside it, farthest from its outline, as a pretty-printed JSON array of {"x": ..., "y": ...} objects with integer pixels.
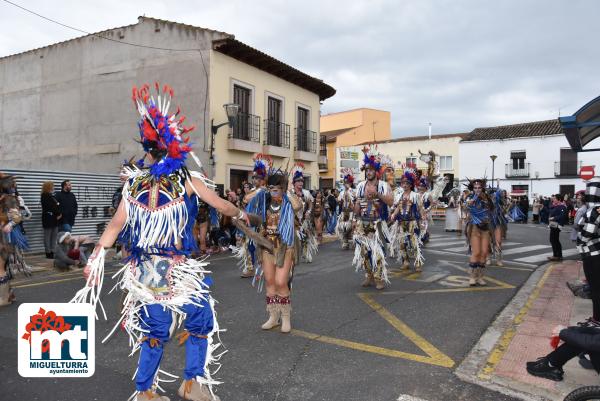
[
  {"x": 247, "y": 127},
  {"x": 306, "y": 140},
  {"x": 277, "y": 134},
  {"x": 567, "y": 169},
  {"x": 512, "y": 172}
]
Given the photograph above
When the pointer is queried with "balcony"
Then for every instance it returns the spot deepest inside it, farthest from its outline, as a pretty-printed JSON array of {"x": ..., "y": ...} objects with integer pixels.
[
  {"x": 276, "y": 138},
  {"x": 512, "y": 172},
  {"x": 245, "y": 134},
  {"x": 323, "y": 152},
  {"x": 567, "y": 169},
  {"x": 306, "y": 145}
]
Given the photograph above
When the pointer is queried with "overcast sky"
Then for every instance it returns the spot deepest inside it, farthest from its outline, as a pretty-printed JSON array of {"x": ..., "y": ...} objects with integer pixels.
[{"x": 459, "y": 64}]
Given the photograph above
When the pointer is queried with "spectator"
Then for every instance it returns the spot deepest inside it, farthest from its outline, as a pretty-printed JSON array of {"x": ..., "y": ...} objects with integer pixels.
[
  {"x": 545, "y": 210},
  {"x": 577, "y": 340},
  {"x": 588, "y": 245},
  {"x": 581, "y": 209},
  {"x": 50, "y": 215},
  {"x": 72, "y": 250},
  {"x": 68, "y": 206},
  {"x": 557, "y": 219},
  {"x": 535, "y": 209}
]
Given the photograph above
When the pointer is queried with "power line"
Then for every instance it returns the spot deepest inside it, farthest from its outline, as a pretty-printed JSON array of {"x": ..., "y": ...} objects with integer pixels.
[{"x": 95, "y": 34}]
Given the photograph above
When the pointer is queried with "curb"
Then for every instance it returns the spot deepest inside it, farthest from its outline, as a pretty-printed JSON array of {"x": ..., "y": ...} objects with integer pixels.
[{"x": 470, "y": 368}]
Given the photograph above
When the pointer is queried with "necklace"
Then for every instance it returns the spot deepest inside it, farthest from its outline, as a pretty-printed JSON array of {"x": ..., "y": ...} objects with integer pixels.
[{"x": 275, "y": 208}]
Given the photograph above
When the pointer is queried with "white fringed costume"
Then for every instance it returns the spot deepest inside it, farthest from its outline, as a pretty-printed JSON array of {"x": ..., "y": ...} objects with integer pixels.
[{"x": 165, "y": 288}]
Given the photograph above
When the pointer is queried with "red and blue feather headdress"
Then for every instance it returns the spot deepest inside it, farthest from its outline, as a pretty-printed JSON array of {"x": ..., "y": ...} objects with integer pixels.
[
  {"x": 262, "y": 164},
  {"x": 160, "y": 131},
  {"x": 348, "y": 175},
  {"x": 297, "y": 172},
  {"x": 371, "y": 160},
  {"x": 409, "y": 174}
]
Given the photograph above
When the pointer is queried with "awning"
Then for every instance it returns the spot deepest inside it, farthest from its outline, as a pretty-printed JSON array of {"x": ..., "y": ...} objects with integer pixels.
[{"x": 582, "y": 127}]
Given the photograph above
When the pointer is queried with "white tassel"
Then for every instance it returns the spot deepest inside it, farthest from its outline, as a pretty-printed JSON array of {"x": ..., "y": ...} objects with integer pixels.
[{"x": 93, "y": 286}]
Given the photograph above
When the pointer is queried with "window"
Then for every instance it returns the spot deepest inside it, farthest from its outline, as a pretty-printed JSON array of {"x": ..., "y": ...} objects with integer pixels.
[
  {"x": 241, "y": 96},
  {"x": 305, "y": 142},
  {"x": 411, "y": 161},
  {"x": 445, "y": 162},
  {"x": 274, "y": 131},
  {"x": 307, "y": 182},
  {"x": 518, "y": 159}
]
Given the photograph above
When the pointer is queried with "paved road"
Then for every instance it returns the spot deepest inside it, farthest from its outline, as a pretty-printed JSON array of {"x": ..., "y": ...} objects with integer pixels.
[{"x": 348, "y": 344}]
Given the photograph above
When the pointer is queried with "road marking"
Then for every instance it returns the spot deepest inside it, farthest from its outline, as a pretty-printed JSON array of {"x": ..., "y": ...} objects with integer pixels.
[
  {"x": 79, "y": 276},
  {"x": 544, "y": 256},
  {"x": 445, "y": 243},
  {"x": 456, "y": 254},
  {"x": 504, "y": 341},
  {"x": 406, "y": 397},
  {"x": 434, "y": 356},
  {"x": 464, "y": 247},
  {"x": 524, "y": 249}
]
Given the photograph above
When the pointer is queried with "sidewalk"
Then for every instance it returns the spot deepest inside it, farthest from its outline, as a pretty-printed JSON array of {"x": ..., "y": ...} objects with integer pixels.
[{"x": 522, "y": 333}]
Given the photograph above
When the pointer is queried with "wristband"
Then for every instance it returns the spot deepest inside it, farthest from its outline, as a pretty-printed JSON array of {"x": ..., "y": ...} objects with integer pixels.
[{"x": 240, "y": 215}]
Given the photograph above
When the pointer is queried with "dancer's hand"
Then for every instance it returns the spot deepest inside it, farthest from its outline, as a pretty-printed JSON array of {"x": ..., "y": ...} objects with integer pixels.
[{"x": 7, "y": 228}]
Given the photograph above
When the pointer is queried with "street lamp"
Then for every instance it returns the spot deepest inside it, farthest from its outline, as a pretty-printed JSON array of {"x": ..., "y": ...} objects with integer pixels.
[
  {"x": 232, "y": 110},
  {"x": 493, "y": 157}
]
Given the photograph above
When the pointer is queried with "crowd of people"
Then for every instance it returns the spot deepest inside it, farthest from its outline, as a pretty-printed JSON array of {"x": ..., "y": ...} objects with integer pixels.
[{"x": 168, "y": 217}]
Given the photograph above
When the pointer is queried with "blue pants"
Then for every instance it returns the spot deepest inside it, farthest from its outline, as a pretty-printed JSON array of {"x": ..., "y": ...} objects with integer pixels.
[{"x": 156, "y": 319}]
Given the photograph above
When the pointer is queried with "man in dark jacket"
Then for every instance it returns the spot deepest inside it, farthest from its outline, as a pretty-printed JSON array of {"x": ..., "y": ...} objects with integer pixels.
[
  {"x": 68, "y": 206},
  {"x": 577, "y": 340},
  {"x": 558, "y": 218}
]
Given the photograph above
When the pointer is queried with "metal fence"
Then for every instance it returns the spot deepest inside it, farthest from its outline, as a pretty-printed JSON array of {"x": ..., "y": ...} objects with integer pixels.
[{"x": 93, "y": 192}]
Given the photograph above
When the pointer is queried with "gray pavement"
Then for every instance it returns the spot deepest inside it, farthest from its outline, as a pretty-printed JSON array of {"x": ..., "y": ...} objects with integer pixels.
[{"x": 348, "y": 344}]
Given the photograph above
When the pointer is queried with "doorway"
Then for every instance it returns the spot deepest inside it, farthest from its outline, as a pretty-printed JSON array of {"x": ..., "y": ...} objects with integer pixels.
[{"x": 237, "y": 178}]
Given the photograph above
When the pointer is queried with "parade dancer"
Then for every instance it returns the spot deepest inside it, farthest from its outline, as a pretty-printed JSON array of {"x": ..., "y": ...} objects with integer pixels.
[
  {"x": 165, "y": 288},
  {"x": 255, "y": 203},
  {"x": 480, "y": 210},
  {"x": 406, "y": 231},
  {"x": 278, "y": 262},
  {"x": 318, "y": 215},
  {"x": 12, "y": 239},
  {"x": 346, "y": 201},
  {"x": 426, "y": 204},
  {"x": 309, "y": 243},
  {"x": 371, "y": 234},
  {"x": 498, "y": 225}
]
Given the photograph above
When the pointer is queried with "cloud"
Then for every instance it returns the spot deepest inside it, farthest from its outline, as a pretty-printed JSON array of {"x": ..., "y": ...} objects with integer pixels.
[{"x": 459, "y": 64}]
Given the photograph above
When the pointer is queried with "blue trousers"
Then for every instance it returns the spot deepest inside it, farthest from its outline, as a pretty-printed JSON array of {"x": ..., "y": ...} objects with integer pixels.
[{"x": 157, "y": 320}]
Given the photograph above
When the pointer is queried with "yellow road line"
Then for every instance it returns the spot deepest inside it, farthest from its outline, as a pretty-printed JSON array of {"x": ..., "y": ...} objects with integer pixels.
[
  {"x": 434, "y": 356},
  {"x": 440, "y": 358},
  {"x": 502, "y": 344},
  {"x": 78, "y": 275}
]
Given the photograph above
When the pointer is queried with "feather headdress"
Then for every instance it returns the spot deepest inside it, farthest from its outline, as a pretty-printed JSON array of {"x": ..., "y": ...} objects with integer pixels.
[
  {"x": 409, "y": 174},
  {"x": 348, "y": 175},
  {"x": 471, "y": 183},
  {"x": 160, "y": 132},
  {"x": 371, "y": 159},
  {"x": 262, "y": 164},
  {"x": 297, "y": 172}
]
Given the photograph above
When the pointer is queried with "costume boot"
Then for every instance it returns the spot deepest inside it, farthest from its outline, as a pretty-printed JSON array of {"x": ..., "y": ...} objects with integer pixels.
[
  {"x": 150, "y": 395},
  {"x": 368, "y": 281},
  {"x": 5, "y": 292},
  {"x": 274, "y": 310},
  {"x": 379, "y": 284},
  {"x": 480, "y": 280},
  {"x": 286, "y": 314},
  {"x": 473, "y": 274},
  {"x": 499, "y": 259},
  {"x": 194, "y": 391}
]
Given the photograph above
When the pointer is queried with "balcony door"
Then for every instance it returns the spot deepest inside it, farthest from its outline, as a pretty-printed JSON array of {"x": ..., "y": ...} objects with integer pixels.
[
  {"x": 568, "y": 162},
  {"x": 274, "y": 120},
  {"x": 241, "y": 96},
  {"x": 302, "y": 130}
]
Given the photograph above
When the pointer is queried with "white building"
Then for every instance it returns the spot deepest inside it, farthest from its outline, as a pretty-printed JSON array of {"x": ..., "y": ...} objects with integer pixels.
[{"x": 532, "y": 158}]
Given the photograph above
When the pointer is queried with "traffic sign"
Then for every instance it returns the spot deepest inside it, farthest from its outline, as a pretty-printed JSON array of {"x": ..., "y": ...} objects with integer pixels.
[{"x": 587, "y": 172}]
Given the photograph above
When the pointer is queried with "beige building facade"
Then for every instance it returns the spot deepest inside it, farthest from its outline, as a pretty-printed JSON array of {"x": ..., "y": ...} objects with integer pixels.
[
  {"x": 349, "y": 128},
  {"x": 407, "y": 151},
  {"x": 277, "y": 117}
]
